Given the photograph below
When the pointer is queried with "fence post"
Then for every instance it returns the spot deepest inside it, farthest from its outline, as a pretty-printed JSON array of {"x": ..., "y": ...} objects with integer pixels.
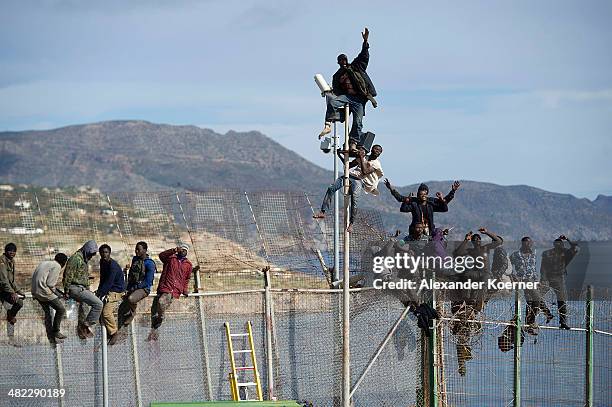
[
  {"x": 136, "y": 366},
  {"x": 517, "y": 349},
  {"x": 346, "y": 330},
  {"x": 269, "y": 333},
  {"x": 589, "y": 348},
  {"x": 104, "y": 367},
  {"x": 60, "y": 372},
  {"x": 432, "y": 365}
]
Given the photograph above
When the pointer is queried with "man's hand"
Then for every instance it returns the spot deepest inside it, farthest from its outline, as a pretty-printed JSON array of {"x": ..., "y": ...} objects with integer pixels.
[
  {"x": 456, "y": 185},
  {"x": 562, "y": 237},
  {"x": 196, "y": 269},
  {"x": 365, "y": 34},
  {"x": 483, "y": 230},
  {"x": 14, "y": 297},
  {"x": 186, "y": 294},
  {"x": 388, "y": 184},
  {"x": 440, "y": 196}
]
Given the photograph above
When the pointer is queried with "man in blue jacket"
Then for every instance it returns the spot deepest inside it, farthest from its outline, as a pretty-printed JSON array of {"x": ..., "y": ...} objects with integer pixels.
[
  {"x": 110, "y": 290},
  {"x": 140, "y": 280},
  {"x": 351, "y": 85}
]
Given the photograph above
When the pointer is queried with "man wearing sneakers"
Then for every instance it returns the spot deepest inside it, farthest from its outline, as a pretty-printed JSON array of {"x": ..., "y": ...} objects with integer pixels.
[
  {"x": 364, "y": 175},
  {"x": 44, "y": 279},
  {"x": 76, "y": 286}
]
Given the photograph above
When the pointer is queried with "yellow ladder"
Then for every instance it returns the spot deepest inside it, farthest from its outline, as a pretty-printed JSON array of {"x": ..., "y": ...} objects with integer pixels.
[{"x": 233, "y": 376}]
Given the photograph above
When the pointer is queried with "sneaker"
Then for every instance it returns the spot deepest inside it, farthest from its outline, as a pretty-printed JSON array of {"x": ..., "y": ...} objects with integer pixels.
[
  {"x": 88, "y": 332},
  {"x": 81, "y": 332},
  {"x": 59, "y": 335},
  {"x": 326, "y": 130},
  {"x": 113, "y": 339}
]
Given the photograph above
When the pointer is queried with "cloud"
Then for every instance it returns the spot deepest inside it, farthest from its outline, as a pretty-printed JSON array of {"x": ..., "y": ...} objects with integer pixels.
[{"x": 553, "y": 99}]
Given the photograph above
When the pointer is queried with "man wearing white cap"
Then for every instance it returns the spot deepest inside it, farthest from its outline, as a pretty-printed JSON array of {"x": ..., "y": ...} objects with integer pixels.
[{"x": 173, "y": 282}]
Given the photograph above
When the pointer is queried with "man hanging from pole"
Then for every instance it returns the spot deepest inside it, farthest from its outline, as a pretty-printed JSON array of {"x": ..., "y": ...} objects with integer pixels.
[
  {"x": 364, "y": 174},
  {"x": 351, "y": 85}
]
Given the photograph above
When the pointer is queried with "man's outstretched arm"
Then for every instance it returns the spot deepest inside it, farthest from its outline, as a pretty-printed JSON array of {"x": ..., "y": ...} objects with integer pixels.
[
  {"x": 449, "y": 197},
  {"x": 361, "y": 61},
  {"x": 399, "y": 197}
]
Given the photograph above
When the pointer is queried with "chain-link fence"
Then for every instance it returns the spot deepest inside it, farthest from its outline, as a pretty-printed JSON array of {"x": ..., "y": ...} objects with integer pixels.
[{"x": 234, "y": 235}]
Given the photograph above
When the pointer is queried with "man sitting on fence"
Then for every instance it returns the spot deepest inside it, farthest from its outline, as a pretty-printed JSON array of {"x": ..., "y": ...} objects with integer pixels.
[
  {"x": 140, "y": 280},
  {"x": 44, "y": 279},
  {"x": 351, "y": 86},
  {"x": 173, "y": 282},
  {"x": 10, "y": 296},
  {"x": 76, "y": 286},
  {"x": 364, "y": 175},
  {"x": 110, "y": 290}
]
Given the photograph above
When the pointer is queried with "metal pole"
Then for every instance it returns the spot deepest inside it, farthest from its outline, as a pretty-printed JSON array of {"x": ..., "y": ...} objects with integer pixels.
[
  {"x": 517, "y": 349},
  {"x": 104, "y": 367},
  {"x": 136, "y": 366},
  {"x": 269, "y": 350},
  {"x": 433, "y": 366},
  {"x": 198, "y": 286},
  {"x": 380, "y": 349},
  {"x": 346, "y": 344},
  {"x": 336, "y": 275},
  {"x": 589, "y": 348},
  {"x": 60, "y": 372}
]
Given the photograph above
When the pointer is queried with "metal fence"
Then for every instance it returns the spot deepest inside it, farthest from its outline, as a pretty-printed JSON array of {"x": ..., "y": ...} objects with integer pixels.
[{"x": 235, "y": 234}]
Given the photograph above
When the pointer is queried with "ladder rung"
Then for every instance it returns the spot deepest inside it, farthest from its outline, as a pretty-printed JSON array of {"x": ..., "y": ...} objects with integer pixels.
[
  {"x": 247, "y": 384},
  {"x": 243, "y": 351},
  {"x": 239, "y": 334},
  {"x": 245, "y": 368}
]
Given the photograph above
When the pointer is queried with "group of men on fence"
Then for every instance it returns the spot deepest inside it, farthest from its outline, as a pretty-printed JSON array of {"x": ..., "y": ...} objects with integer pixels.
[
  {"x": 352, "y": 87},
  {"x": 115, "y": 301}
]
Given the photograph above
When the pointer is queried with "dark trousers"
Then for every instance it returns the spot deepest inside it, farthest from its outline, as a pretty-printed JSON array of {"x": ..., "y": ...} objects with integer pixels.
[
  {"x": 16, "y": 305},
  {"x": 52, "y": 323}
]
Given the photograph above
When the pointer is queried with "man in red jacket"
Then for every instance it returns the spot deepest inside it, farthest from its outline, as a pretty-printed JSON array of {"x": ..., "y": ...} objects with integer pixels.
[{"x": 173, "y": 282}]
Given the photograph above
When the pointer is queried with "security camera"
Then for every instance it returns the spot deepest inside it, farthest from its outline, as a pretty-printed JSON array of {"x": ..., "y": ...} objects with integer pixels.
[
  {"x": 326, "y": 145},
  {"x": 322, "y": 84}
]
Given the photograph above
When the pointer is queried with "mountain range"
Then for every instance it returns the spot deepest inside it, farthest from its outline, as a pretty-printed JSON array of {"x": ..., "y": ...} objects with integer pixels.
[{"x": 143, "y": 156}]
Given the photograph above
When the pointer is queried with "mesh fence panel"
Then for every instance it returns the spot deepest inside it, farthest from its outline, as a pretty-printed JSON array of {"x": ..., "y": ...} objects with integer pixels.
[{"x": 234, "y": 235}]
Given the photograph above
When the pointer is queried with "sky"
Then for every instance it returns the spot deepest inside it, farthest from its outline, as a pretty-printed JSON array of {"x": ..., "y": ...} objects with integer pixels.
[{"x": 514, "y": 93}]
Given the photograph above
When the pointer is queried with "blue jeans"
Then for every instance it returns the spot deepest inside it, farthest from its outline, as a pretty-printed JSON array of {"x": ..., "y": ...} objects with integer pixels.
[
  {"x": 355, "y": 191},
  {"x": 86, "y": 298},
  {"x": 335, "y": 111}
]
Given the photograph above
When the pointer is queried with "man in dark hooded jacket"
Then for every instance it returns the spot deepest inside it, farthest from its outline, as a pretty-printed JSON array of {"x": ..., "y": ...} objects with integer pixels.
[
  {"x": 422, "y": 206},
  {"x": 351, "y": 85}
]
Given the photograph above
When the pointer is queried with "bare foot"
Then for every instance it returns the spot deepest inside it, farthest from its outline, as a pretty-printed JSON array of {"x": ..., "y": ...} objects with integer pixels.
[
  {"x": 319, "y": 215},
  {"x": 326, "y": 130}
]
